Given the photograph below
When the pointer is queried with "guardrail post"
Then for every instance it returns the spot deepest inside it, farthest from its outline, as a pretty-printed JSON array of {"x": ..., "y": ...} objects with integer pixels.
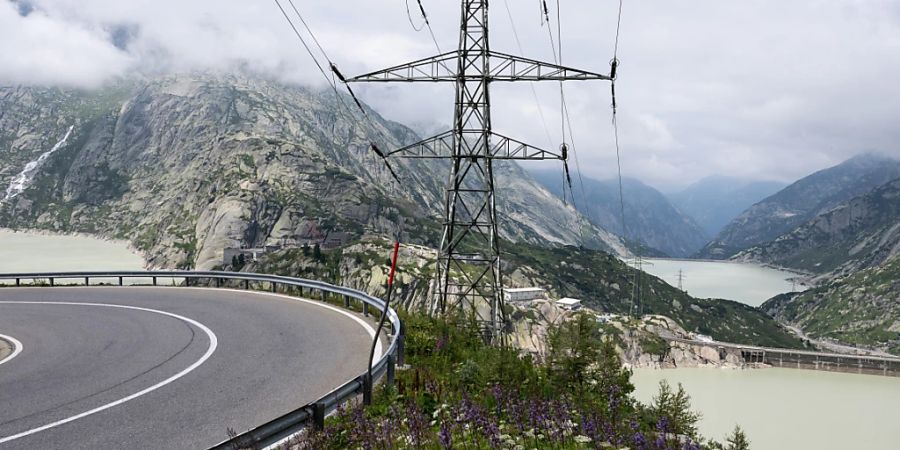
[
  {"x": 390, "y": 370},
  {"x": 87, "y": 281},
  {"x": 367, "y": 389},
  {"x": 274, "y": 287},
  {"x": 154, "y": 281},
  {"x": 120, "y": 281},
  {"x": 319, "y": 415},
  {"x": 18, "y": 282},
  {"x": 52, "y": 281},
  {"x": 401, "y": 346},
  {"x": 365, "y": 309},
  {"x": 218, "y": 282},
  {"x": 346, "y": 301},
  {"x": 324, "y": 295},
  {"x": 246, "y": 285}
]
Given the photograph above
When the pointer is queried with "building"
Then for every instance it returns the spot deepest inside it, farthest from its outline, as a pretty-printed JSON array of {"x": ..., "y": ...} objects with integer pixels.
[
  {"x": 336, "y": 239},
  {"x": 523, "y": 294},
  {"x": 571, "y": 304}
]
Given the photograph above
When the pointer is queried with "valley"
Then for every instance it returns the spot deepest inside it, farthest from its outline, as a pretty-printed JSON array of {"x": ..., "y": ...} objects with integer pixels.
[{"x": 277, "y": 187}]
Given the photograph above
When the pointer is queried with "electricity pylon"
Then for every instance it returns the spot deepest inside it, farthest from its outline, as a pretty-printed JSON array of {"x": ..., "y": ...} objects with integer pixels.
[{"x": 470, "y": 246}]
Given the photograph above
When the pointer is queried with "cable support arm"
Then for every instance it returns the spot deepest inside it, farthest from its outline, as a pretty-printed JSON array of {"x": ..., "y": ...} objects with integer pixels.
[
  {"x": 504, "y": 67},
  {"x": 501, "y": 148},
  {"x": 516, "y": 68},
  {"x": 432, "y": 69}
]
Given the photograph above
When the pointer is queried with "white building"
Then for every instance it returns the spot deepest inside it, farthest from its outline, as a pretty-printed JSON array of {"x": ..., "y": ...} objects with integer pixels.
[
  {"x": 523, "y": 294},
  {"x": 569, "y": 303}
]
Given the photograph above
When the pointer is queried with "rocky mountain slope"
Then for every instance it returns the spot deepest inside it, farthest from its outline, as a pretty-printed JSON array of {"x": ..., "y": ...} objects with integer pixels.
[
  {"x": 801, "y": 202},
  {"x": 651, "y": 218},
  {"x": 185, "y": 166},
  {"x": 862, "y": 308},
  {"x": 861, "y": 233},
  {"x": 715, "y": 201}
]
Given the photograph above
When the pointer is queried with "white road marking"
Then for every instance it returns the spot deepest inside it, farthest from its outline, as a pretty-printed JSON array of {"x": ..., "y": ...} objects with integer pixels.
[
  {"x": 17, "y": 348},
  {"x": 213, "y": 343}
]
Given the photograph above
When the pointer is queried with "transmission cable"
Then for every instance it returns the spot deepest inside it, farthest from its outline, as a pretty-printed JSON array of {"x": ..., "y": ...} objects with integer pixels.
[
  {"x": 409, "y": 16},
  {"x": 565, "y": 118},
  {"x": 335, "y": 72},
  {"x": 637, "y": 292},
  {"x": 427, "y": 24},
  {"x": 537, "y": 101}
]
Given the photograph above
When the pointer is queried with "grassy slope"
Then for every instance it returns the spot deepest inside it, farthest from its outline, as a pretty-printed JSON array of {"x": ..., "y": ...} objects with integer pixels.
[
  {"x": 860, "y": 309},
  {"x": 604, "y": 283}
]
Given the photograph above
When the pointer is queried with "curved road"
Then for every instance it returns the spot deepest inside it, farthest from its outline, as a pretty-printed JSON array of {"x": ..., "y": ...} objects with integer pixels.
[{"x": 173, "y": 368}]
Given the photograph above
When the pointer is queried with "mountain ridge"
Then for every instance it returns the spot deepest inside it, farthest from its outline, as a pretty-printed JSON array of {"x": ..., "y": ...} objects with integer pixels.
[
  {"x": 187, "y": 165},
  {"x": 652, "y": 220},
  {"x": 800, "y": 202},
  {"x": 858, "y": 234},
  {"x": 716, "y": 200}
]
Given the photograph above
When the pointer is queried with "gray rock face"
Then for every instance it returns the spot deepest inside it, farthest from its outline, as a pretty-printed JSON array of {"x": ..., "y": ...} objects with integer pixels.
[
  {"x": 186, "y": 165},
  {"x": 715, "y": 201},
  {"x": 800, "y": 202},
  {"x": 652, "y": 220},
  {"x": 861, "y": 233}
]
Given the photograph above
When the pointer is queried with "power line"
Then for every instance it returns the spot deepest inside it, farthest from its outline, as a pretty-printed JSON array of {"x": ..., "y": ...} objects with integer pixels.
[
  {"x": 409, "y": 16},
  {"x": 565, "y": 118},
  {"x": 330, "y": 81},
  {"x": 427, "y": 25},
  {"x": 531, "y": 84}
]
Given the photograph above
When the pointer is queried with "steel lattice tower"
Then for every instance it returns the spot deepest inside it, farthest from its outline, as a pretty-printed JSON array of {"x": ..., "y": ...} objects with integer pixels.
[{"x": 469, "y": 275}]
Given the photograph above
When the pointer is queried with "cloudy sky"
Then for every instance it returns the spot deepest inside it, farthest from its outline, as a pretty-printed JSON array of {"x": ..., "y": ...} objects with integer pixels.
[{"x": 763, "y": 89}]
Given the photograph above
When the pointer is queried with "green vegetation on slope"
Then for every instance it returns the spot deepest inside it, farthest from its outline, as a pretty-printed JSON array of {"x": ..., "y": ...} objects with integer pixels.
[
  {"x": 861, "y": 309},
  {"x": 605, "y": 283},
  {"x": 460, "y": 393}
]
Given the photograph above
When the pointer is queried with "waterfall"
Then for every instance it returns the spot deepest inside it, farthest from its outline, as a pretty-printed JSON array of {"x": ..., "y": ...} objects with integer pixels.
[{"x": 23, "y": 179}]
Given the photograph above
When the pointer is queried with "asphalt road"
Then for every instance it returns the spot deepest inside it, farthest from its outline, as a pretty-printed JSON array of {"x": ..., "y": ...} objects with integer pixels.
[{"x": 155, "y": 379}]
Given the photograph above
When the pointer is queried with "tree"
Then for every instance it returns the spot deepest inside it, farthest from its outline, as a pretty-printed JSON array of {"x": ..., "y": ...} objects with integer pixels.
[
  {"x": 317, "y": 253},
  {"x": 673, "y": 409},
  {"x": 738, "y": 440}
]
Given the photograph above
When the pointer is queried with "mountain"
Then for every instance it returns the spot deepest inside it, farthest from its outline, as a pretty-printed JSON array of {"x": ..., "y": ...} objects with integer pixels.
[
  {"x": 651, "y": 218},
  {"x": 800, "y": 202},
  {"x": 860, "y": 309},
  {"x": 861, "y": 233},
  {"x": 184, "y": 166},
  {"x": 714, "y": 201}
]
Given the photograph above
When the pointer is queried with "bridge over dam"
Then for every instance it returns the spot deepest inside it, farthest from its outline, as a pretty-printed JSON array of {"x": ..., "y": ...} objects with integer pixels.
[{"x": 801, "y": 359}]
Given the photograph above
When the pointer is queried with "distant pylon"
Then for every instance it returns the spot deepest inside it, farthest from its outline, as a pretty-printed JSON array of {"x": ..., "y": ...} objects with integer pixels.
[{"x": 469, "y": 276}]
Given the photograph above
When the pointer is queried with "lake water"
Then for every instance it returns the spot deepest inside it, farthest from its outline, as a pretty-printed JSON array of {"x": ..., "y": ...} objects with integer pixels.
[
  {"x": 782, "y": 409},
  {"x": 30, "y": 252},
  {"x": 747, "y": 283}
]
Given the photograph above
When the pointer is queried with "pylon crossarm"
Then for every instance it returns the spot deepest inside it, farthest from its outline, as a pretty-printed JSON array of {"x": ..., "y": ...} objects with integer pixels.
[
  {"x": 440, "y": 146},
  {"x": 516, "y": 68},
  {"x": 503, "y": 147},
  {"x": 433, "y": 69}
]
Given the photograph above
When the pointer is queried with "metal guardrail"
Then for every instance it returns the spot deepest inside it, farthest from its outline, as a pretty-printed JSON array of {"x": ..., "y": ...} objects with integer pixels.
[{"x": 313, "y": 413}]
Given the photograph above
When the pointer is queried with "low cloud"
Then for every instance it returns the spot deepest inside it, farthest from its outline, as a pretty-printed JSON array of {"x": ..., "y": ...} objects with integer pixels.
[{"x": 765, "y": 89}]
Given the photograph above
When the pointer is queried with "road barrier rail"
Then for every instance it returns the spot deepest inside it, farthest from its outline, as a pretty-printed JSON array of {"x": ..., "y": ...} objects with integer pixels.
[{"x": 313, "y": 413}]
